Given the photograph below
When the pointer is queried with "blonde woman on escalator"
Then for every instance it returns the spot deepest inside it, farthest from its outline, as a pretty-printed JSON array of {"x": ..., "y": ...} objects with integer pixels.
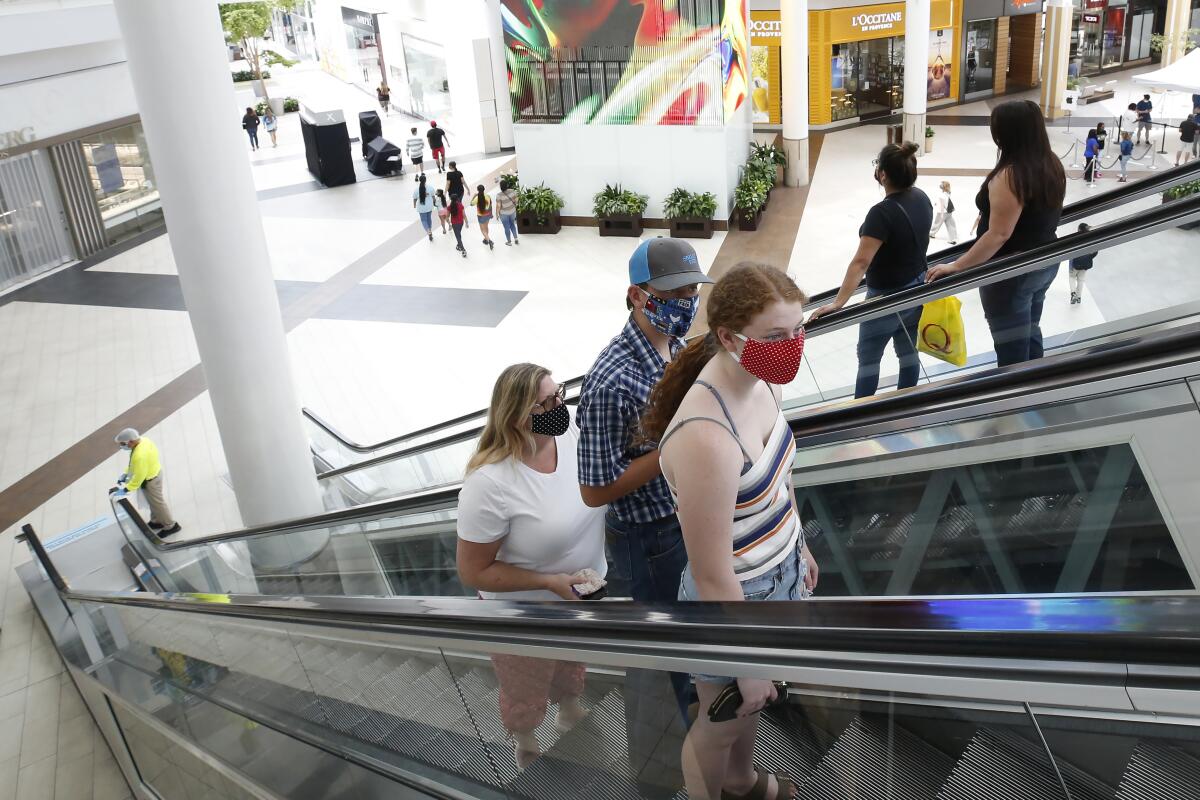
[
  {"x": 524, "y": 533},
  {"x": 726, "y": 452}
]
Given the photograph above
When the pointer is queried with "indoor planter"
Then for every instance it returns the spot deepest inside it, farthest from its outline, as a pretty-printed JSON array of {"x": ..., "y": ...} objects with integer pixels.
[
  {"x": 1179, "y": 192},
  {"x": 690, "y": 213},
  {"x": 769, "y": 154},
  {"x": 929, "y": 134},
  {"x": 538, "y": 210},
  {"x": 750, "y": 198},
  {"x": 619, "y": 211},
  {"x": 763, "y": 172}
]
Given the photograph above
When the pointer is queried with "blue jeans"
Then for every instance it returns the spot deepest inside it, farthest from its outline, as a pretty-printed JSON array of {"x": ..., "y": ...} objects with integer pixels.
[
  {"x": 426, "y": 220},
  {"x": 873, "y": 336},
  {"x": 651, "y": 557},
  {"x": 1014, "y": 313},
  {"x": 509, "y": 221}
]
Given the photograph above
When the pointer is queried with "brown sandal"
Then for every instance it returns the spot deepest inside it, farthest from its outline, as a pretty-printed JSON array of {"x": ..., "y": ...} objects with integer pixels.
[{"x": 786, "y": 788}]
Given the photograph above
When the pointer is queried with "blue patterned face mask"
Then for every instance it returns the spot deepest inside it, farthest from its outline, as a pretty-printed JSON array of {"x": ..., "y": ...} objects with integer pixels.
[{"x": 674, "y": 316}]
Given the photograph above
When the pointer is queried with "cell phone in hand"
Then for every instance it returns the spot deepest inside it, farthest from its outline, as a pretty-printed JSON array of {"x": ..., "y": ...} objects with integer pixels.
[{"x": 726, "y": 704}]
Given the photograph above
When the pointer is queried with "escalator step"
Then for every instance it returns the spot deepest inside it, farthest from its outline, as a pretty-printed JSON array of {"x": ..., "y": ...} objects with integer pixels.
[
  {"x": 996, "y": 757},
  {"x": 1160, "y": 772},
  {"x": 851, "y": 769}
]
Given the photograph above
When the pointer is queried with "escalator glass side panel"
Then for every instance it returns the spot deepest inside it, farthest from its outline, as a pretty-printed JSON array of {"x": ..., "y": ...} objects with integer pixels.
[{"x": 1077, "y": 521}]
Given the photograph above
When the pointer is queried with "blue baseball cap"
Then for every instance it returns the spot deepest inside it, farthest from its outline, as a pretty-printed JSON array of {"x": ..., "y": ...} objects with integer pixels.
[{"x": 665, "y": 264}]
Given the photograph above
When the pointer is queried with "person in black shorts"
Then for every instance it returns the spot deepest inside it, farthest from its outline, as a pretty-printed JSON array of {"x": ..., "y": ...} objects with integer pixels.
[
  {"x": 456, "y": 187},
  {"x": 437, "y": 144}
]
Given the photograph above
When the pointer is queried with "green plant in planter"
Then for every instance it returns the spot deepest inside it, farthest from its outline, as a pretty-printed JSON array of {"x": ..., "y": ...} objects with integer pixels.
[
  {"x": 243, "y": 75},
  {"x": 682, "y": 203},
  {"x": 1182, "y": 190},
  {"x": 290, "y": 104},
  {"x": 750, "y": 196},
  {"x": 768, "y": 154},
  {"x": 509, "y": 178},
  {"x": 760, "y": 171},
  {"x": 541, "y": 201},
  {"x": 929, "y": 132},
  {"x": 613, "y": 201}
]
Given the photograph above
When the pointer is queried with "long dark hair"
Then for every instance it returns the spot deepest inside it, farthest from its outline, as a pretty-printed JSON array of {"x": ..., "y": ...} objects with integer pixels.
[
  {"x": 480, "y": 199},
  {"x": 1035, "y": 174},
  {"x": 421, "y": 192},
  {"x": 739, "y": 296},
  {"x": 456, "y": 205}
]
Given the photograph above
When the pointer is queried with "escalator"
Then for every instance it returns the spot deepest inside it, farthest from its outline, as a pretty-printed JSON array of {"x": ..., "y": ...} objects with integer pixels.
[
  {"x": 1008, "y": 608},
  {"x": 1141, "y": 242}
]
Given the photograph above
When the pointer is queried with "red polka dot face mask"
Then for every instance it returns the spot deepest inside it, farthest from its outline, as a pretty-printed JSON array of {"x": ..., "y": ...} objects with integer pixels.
[{"x": 774, "y": 362}]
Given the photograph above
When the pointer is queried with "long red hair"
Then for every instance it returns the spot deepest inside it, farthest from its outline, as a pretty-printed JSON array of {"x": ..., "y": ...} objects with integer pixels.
[{"x": 735, "y": 299}]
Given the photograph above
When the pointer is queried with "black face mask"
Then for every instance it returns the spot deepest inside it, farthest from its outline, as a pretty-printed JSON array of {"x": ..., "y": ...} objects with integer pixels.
[{"x": 552, "y": 423}]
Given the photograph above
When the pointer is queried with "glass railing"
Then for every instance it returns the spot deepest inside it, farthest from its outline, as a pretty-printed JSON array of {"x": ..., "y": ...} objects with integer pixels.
[
  {"x": 1058, "y": 699},
  {"x": 1130, "y": 231}
]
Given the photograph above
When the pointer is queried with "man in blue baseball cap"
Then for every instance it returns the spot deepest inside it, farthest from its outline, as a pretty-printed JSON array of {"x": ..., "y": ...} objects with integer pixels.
[{"x": 643, "y": 533}]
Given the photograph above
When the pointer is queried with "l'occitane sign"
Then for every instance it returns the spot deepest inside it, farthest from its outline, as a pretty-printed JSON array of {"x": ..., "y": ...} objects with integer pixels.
[{"x": 875, "y": 22}]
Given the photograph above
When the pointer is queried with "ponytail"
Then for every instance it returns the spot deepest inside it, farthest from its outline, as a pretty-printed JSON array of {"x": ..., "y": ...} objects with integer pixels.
[
  {"x": 678, "y": 378},
  {"x": 480, "y": 200},
  {"x": 422, "y": 193}
]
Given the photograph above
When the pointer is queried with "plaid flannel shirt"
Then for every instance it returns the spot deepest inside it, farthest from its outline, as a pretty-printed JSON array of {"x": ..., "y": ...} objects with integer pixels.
[{"x": 614, "y": 395}]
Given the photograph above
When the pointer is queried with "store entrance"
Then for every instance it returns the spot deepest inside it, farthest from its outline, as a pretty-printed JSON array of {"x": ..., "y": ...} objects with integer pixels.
[{"x": 868, "y": 78}]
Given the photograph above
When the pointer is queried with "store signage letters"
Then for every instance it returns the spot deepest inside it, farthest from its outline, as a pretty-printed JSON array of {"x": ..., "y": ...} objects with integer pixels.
[
  {"x": 877, "y": 22},
  {"x": 16, "y": 138},
  {"x": 766, "y": 27},
  {"x": 1091, "y": 19}
]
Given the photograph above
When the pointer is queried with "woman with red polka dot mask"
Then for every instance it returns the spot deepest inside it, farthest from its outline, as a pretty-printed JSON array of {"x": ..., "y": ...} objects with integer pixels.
[{"x": 726, "y": 453}]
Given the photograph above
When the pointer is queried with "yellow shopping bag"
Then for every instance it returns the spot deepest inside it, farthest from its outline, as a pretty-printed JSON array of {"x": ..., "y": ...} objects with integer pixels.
[{"x": 941, "y": 331}]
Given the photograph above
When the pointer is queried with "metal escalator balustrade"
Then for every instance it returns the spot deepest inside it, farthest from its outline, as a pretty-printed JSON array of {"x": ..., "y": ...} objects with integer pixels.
[
  {"x": 1117, "y": 305},
  {"x": 915, "y": 699}
]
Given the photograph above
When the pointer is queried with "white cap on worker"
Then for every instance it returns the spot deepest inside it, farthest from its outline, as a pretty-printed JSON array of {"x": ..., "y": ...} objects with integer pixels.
[{"x": 128, "y": 435}]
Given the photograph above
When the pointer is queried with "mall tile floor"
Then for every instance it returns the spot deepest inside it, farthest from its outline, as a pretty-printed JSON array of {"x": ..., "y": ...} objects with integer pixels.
[{"x": 389, "y": 332}]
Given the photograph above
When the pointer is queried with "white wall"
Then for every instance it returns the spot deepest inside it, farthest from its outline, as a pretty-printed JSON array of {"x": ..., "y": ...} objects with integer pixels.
[
  {"x": 578, "y": 160},
  {"x": 65, "y": 103}
]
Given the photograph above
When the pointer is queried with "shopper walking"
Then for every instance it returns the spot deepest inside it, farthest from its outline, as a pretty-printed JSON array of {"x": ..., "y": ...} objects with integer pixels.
[
  {"x": 945, "y": 214},
  {"x": 621, "y": 470},
  {"x": 443, "y": 210},
  {"x": 145, "y": 473},
  {"x": 1126, "y": 154},
  {"x": 250, "y": 122},
  {"x": 384, "y": 95},
  {"x": 416, "y": 152},
  {"x": 1145, "y": 121},
  {"x": 892, "y": 243},
  {"x": 1019, "y": 204},
  {"x": 458, "y": 220},
  {"x": 726, "y": 453},
  {"x": 438, "y": 139},
  {"x": 456, "y": 185},
  {"x": 1187, "y": 140},
  {"x": 1079, "y": 269},
  {"x": 417, "y": 93},
  {"x": 1101, "y": 139},
  {"x": 506, "y": 207},
  {"x": 483, "y": 214},
  {"x": 423, "y": 203},
  {"x": 524, "y": 533},
  {"x": 1089, "y": 157},
  {"x": 270, "y": 123}
]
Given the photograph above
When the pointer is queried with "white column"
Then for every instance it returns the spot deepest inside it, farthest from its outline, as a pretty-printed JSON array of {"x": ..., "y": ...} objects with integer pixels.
[
  {"x": 1175, "y": 31},
  {"x": 504, "y": 117},
  {"x": 916, "y": 67},
  {"x": 793, "y": 19},
  {"x": 180, "y": 76},
  {"x": 1055, "y": 56}
]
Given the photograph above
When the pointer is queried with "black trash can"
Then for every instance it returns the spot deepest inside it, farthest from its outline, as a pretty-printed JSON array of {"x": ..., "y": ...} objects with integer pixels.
[
  {"x": 369, "y": 127},
  {"x": 383, "y": 157}
]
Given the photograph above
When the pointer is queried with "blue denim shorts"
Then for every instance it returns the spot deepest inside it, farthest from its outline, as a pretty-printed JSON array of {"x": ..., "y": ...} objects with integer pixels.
[{"x": 784, "y": 582}]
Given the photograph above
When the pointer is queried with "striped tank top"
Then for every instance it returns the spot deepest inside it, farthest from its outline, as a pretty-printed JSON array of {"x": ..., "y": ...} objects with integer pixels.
[{"x": 766, "y": 527}]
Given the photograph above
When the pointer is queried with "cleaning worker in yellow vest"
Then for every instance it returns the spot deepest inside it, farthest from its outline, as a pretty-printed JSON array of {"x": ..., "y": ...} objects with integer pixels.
[{"x": 145, "y": 473}]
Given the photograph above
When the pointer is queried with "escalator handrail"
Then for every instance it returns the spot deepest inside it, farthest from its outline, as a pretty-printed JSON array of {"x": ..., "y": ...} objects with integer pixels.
[
  {"x": 1060, "y": 371},
  {"x": 1166, "y": 216},
  {"x": 1095, "y": 204},
  {"x": 1113, "y": 629}
]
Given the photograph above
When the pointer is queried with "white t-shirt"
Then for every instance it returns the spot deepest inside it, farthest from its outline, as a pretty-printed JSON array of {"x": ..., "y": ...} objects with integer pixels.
[{"x": 544, "y": 523}]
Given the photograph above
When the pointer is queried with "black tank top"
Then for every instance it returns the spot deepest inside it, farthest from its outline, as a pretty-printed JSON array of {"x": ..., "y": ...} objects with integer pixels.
[{"x": 1035, "y": 226}]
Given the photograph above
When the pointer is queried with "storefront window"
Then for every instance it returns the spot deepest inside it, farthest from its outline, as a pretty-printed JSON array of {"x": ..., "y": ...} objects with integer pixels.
[
  {"x": 981, "y": 56},
  {"x": 428, "y": 84},
  {"x": 868, "y": 78},
  {"x": 33, "y": 237},
  {"x": 118, "y": 163},
  {"x": 362, "y": 40},
  {"x": 1140, "y": 28},
  {"x": 1114, "y": 35}
]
